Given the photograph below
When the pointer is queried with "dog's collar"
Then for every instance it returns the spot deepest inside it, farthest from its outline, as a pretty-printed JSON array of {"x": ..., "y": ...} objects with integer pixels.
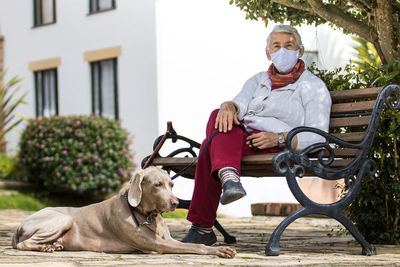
[{"x": 149, "y": 219}]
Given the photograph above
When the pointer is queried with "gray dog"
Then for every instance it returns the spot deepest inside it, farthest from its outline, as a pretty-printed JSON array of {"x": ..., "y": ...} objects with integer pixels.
[{"x": 128, "y": 222}]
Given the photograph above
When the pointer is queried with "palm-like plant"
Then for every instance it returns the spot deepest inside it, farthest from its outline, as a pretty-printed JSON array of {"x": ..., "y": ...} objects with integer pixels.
[
  {"x": 367, "y": 55},
  {"x": 8, "y": 103}
]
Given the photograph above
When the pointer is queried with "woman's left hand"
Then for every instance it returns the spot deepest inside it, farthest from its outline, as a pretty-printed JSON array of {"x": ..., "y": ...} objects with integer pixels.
[{"x": 263, "y": 140}]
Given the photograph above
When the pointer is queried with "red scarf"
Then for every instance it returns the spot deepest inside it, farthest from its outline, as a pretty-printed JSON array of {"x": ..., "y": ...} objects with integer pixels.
[{"x": 279, "y": 80}]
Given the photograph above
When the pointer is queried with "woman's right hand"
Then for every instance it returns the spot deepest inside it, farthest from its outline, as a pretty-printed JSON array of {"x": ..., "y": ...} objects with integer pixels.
[{"x": 227, "y": 116}]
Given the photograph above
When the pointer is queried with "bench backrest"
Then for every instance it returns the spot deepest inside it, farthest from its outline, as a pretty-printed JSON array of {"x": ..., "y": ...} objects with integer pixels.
[{"x": 351, "y": 109}]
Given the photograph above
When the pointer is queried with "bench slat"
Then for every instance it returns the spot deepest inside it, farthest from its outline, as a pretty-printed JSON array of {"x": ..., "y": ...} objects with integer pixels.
[
  {"x": 353, "y": 107},
  {"x": 254, "y": 165},
  {"x": 349, "y": 122},
  {"x": 355, "y": 94},
  {"x": 265, "y": 159},
  {"x": 350, "y": 137}
]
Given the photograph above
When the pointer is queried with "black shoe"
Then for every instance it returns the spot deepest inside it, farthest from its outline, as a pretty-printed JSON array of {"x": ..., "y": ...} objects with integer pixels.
[
  {"x": 195, "y": 237},
  {"x": 232, "y": 191}
]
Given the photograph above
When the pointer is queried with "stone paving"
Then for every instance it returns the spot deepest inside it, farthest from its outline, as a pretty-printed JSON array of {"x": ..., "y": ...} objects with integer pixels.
[{"x": 307, "y": 242}]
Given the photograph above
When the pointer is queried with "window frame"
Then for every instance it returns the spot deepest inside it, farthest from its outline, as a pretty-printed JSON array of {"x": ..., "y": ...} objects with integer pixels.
[
  {"x": 38, "y": 22},
  {"x": 37, "y": 108},
  {"x": 99, "y": 78},
  {"x": 98, "y": 10}
]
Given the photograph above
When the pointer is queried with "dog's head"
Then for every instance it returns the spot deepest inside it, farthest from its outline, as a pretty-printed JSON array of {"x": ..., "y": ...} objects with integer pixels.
[{"x": 151, "y": 188}]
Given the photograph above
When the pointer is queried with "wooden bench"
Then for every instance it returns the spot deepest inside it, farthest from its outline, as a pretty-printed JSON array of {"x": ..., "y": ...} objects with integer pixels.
[{"x": 355, "y": 115}]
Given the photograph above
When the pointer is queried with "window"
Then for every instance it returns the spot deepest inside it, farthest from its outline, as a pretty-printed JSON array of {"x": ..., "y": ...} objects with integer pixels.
[
  {"x": 104, "y": 88},
  {"x": 44, "y": 12},
  {"x": 310, "y": 57},
  {"x": 100, "y": 5},
  {"x": 46, "y": 92}
]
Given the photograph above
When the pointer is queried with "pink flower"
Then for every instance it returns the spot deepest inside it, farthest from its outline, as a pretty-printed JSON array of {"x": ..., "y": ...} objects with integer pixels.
[
  {"x": 68, "y": 122},
  {"x": 109, "y": 181},
  {"x": 81, "y": 143},
  {"x": 128, "y": 158},
  {"x": 118, "y": 182},
  {"x": 77, "y": 123},
  {"x": 98, "y": 142},
  {"x": 103, "y": 189},
  {"x": 39, "y": 118},
  {"x": 50, "y": 135},
  {"x": 96, "y": 164},
  {"x": 79, "y": 161},
  {"x": 40, "y": 126},
  {"x": 102, "y": 177},
  {"x": 58, "y": 174},
  {"x": 42, "y": 146},
  {"x": 115, "y": 175},
  {"x": 41, "y": 135},
  {"x": 95, "y": 157},
  {"x": 94, "y": 145},
  {"x": 85, "y": 178},
  {"x": 88, "y": 154},
  {"x": 66, "y": 168},
  {"x": 65, "y": 152}
]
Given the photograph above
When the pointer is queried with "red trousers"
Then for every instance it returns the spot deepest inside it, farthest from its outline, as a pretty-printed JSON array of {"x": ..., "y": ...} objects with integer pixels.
[{"x": 225, "y": 150}]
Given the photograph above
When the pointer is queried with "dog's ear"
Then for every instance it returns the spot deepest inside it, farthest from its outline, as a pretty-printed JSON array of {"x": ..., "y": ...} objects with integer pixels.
[{"x": 135, "y": 189}]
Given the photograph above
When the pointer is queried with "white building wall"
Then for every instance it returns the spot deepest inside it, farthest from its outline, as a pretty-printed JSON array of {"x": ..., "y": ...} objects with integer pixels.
[{"x": 131, "y": 25}]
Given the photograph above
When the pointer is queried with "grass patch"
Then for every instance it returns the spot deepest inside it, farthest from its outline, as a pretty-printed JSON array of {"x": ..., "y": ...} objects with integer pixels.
[
  {"x": 21, "y": 202},
  {"x": 31, "y": 200},
  {"x": 176, "y": 214}
]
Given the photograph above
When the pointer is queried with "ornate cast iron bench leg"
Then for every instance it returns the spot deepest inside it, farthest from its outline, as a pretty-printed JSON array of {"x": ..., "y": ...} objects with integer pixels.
[{"x": 334, "y": 210}]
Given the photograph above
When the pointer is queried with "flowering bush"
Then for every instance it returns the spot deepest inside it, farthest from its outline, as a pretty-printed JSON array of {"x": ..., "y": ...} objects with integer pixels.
[{"x": 76, "y": 153}]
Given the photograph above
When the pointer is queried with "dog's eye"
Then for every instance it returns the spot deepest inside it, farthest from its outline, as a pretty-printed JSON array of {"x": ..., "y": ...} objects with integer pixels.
[{"x": 159, "y": 185}]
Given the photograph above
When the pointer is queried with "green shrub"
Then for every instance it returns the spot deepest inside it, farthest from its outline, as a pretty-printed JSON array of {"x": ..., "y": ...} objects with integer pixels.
[
  {"x": 376, "y": 210},
  {"x": 8, "y": 166},
  {"x": 76, "y": 153}
]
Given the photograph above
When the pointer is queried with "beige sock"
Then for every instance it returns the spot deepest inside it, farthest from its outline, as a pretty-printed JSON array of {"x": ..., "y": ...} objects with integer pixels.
[{"x": 228, "y": 174}]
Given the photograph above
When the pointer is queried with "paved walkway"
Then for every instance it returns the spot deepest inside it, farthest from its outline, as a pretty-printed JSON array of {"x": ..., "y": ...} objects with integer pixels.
[{"x": 307, "y": 242}]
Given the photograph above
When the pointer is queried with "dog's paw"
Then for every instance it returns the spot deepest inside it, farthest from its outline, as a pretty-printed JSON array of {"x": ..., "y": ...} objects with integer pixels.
[
  {"x": 226, "y": 252},
  {"x": 47, "y": 248},
  {"x": 57, "y": 246}
]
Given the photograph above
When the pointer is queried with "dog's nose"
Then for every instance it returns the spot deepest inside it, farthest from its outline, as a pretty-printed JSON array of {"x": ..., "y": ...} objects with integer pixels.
[{"x": 174, "y": 202}]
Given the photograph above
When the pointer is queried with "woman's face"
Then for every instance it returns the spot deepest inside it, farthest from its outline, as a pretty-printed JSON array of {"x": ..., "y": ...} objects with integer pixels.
[{"x": 282, "y": 39}]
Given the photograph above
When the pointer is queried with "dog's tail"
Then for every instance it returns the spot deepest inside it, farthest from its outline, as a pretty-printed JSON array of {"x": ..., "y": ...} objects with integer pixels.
[{"x": 16, "y": 236}]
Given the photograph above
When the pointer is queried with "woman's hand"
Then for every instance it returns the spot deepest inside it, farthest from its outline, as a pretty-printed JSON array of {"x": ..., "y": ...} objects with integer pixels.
[
  {"x": 227, "y": 116},
  {"x": 263, "y": 140}
]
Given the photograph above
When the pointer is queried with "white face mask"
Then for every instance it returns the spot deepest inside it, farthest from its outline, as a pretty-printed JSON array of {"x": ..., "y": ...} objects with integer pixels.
[{"x": 284, "y": 59}]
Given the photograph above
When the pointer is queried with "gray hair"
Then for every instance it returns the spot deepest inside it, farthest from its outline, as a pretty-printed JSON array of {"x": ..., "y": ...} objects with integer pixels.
[{"x": 286, "y": 29}]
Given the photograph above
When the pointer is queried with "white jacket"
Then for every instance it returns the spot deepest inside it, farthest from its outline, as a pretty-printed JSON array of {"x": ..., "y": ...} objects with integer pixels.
[{"x": 306, "y": 102}]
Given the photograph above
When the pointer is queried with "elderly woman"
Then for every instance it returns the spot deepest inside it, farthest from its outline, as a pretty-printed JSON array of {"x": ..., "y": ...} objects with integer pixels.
[{"x": 256, "y": 121}]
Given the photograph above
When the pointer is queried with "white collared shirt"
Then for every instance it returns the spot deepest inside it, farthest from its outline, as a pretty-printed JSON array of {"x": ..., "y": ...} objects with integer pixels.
[{"x": 306, "y": 102}]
